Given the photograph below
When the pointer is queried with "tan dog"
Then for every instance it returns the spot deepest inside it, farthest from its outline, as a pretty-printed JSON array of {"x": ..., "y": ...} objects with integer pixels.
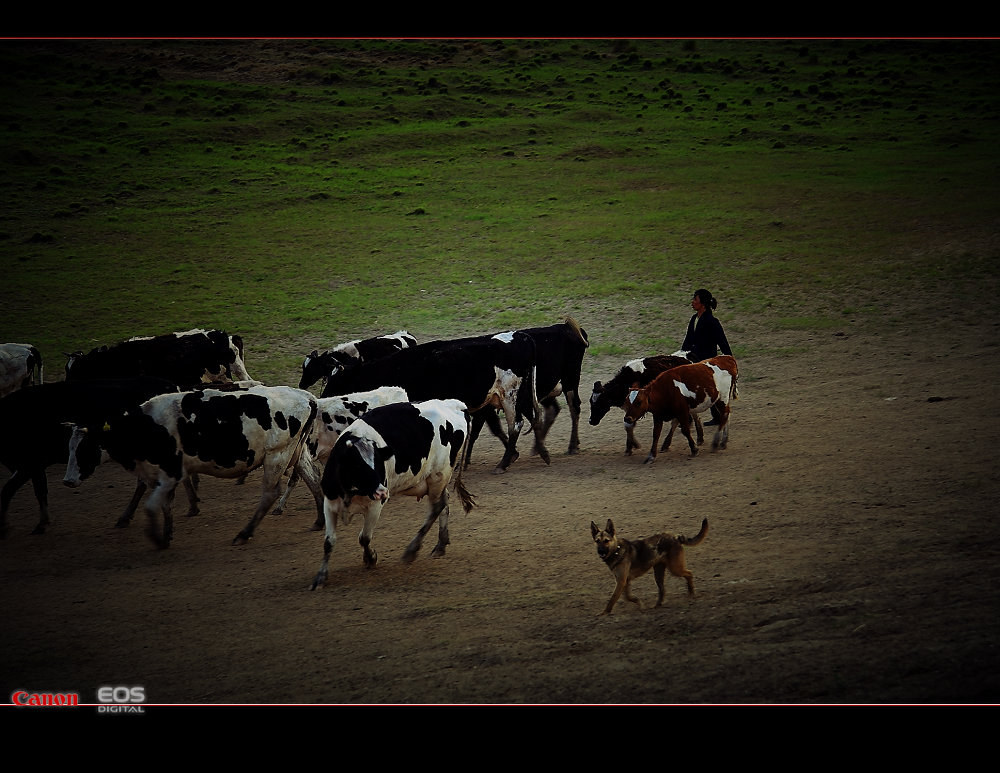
[{"x": 628, "y": 559}]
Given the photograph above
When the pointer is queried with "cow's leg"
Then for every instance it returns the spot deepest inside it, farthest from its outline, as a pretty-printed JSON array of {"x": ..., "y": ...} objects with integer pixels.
[
  {"x": 267, "y": 498},
  {"x": 720, "y": 412},
  {"x": 436, "y": 509},
  {"x": 279, "y": 508},
  {"x": 160, "y": 500},
  {"x": 657, "y": 429},
  {"x": 630, "y": 441},
  {"x": 330, "y": 511},
  {"x": 514, "y": 424},
  {"x": 126, "y": 517},
  {"x": 670, "y": 436},
  {"x": 685, "y": 422},
  {"x": 308, "y": 470},
  {"x": 190, "y": 487},
  {"x": 478, "y": 419},
  {"x": 699, "y": 428},
  {"x": 41, "y": 487},
  {"x": 18, "y": 479},
  {"x": 550, "y": 410},
  {"x": 370, "y": 557},
  {"x": 574, "y": 403}
]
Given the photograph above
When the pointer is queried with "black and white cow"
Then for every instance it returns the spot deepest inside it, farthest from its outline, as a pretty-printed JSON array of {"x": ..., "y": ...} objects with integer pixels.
[
  {"x": 224, "y": 434},
  {"x": 188, "y": 359},
  {"x": 35, "y": 430},
  {"x": 634, "y": 373},
  {"x": 487, "y": 373},
  {"x": 335, "y": 415},
  {"x": 412, "y": 449},
  {"x": 318, "y": 366},
  {"x": 20, "y": 367}
]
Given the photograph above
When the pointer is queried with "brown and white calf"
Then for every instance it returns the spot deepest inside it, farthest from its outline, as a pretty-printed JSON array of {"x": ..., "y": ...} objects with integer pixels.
[{"x": 680, "y": 393}]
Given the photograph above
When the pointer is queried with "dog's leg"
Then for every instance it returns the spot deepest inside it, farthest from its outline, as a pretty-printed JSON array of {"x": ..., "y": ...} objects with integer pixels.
[
  {"x": 629, "y": 596},
  {"x": 678, "y": 568},
  {"x": 659, "y": 571},
  {"x": 622, "y": 583}
]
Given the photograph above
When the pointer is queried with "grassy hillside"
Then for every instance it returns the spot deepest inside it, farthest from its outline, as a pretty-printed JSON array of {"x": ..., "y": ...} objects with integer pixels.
[{"x": 302, "y": 193}]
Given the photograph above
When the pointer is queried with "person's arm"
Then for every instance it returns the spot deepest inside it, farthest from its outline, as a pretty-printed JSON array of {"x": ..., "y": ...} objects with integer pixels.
[{"x": 722, "y": 341}]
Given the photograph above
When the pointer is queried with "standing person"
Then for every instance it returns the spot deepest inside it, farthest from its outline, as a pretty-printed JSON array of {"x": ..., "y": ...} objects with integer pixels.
[{"x": 704, "y": 334}]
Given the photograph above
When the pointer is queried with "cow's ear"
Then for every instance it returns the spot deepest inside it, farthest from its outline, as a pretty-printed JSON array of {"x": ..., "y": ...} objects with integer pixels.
[
  {"x": 382, "y": 453},
  {"x": 598, "y": 387},
  {"x": 314, "y": 353}
]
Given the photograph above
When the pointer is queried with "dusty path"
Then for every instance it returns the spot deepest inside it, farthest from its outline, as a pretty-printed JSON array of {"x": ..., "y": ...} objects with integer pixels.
[{"x": 852, "y": 557}]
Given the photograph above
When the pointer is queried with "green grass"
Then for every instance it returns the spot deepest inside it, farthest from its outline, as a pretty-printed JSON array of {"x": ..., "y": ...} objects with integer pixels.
[{"x": 303, "y": 193}]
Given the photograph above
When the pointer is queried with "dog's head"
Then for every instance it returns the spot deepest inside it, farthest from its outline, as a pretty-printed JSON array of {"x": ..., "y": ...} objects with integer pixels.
[{"x": 605, "y": 538}]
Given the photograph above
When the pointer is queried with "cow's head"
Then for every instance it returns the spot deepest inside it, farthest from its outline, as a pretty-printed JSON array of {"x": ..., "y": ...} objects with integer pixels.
[
  {"x": 84, "y": 456},
  {"x": 356, "y": 467},
  {"x": 324, "y": 366},
  {"x": 312, "y": 370},
  {"x": 636, "y": 405},
  {"x": 71, "y": 358},
  {"x": 599, "y": 404}
]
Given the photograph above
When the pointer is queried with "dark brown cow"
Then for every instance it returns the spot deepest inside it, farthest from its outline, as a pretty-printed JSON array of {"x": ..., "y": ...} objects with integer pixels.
[{"x": 681, "y": 392}]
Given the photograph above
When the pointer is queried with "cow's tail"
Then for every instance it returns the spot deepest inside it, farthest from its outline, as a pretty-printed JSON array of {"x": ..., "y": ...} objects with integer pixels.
[
  {"x": 734, "y": 390},
  {"x": 579, "y": 331},
  {"x": 527, "y": 397},
  {"x": 468, "y": 501},
  {"x": 301, "y": 442},
  {"x": 35, "y": 364}
]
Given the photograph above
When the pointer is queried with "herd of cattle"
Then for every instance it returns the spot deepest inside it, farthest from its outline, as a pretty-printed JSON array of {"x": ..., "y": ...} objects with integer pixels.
[{"x": 394, "y": 418}]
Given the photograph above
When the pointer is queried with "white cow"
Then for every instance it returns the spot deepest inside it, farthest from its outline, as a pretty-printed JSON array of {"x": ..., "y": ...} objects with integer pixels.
[{"x": 19, "y": 364}]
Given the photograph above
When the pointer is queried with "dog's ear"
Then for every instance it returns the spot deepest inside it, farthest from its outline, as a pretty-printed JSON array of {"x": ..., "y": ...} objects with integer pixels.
[
  {"x": 593, "y": 529},
  {"x": 610, "y": 528}
]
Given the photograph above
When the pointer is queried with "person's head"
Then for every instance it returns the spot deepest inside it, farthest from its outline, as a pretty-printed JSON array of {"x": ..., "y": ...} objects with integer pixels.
[{"x": 703, "y": 300}]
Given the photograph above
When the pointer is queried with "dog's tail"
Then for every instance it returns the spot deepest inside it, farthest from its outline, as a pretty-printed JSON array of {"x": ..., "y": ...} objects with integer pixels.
[{"x": 695, "y": 540}]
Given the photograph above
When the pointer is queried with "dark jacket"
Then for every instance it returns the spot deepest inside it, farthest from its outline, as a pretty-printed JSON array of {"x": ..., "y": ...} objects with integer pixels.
[{"x": 702, "y": 342}]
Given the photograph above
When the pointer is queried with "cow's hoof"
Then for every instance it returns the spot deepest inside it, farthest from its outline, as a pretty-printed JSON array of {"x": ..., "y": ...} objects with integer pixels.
[
  {"x": 241, "y": 539},
  {"x": 319, "y": 582},
  {"x": 438, "y": 551},
  {"x": 499, "y": 470},
  {"x": 39, "y": 529},
  {"x": 649, "y": 460},
  {"x": 371, "y": 559},
  {"x": 123, "y": 523},
  {"x": 409, "y": 556}
]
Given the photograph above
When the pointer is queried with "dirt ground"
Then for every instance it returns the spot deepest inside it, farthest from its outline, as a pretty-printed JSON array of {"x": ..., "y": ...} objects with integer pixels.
[{"x": 853, "y": 557}]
